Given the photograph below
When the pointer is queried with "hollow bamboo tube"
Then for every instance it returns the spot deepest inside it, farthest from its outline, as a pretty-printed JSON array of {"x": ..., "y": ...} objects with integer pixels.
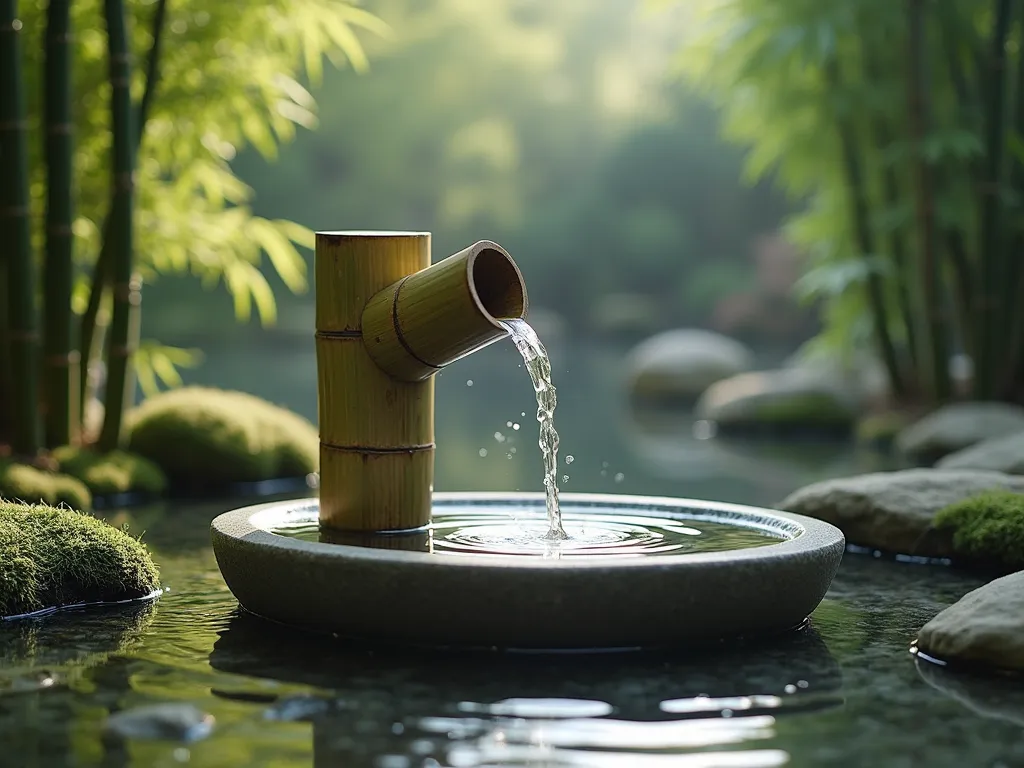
[
  {"x": 424, "y": 321},
  {"x": 376, "y": 433}
]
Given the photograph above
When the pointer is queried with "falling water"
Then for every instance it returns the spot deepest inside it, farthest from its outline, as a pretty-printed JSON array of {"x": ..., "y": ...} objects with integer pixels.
[{"x": 539, "y": 367}]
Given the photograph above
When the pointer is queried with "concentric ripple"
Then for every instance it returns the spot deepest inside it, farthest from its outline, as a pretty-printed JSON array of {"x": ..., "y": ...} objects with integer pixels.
[{"x": 482, "y": 531}]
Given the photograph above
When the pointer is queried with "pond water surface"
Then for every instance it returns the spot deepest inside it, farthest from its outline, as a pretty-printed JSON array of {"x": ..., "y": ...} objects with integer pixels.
[{"x": 842, "y": 691}]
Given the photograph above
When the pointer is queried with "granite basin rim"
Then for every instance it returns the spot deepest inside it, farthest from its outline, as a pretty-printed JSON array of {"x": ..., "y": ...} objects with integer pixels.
[{"x": 407, "y": 597}]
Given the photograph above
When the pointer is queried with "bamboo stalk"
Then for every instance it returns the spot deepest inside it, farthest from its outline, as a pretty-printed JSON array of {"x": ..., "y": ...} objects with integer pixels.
[
  {"x": 987, "y": 315},
  {"x": 376, "y": 433},
  {"x": 937, "y": 341},
  {"x": 865, "y": 243},
  {"x": 15, "y": 236},
  {"x": 119, "y": 351},
  {"x": 1014, "y": 254},
  {"x": 6, "y": 398},
  {"x": 62, "y": 417},
  {"x": 90, "y": 345},
  {"x": 426, "y": 321}
]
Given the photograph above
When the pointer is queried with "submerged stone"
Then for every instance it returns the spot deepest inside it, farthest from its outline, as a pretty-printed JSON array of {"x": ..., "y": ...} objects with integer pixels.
[
  {"x": 895, "y": 511},
  {"x": 53, "y": 557},
  {"x": 681, "y": 364},
  {"x": 1001, "y": 454},
  {"x": 985, "y": 626},
  {"x": 789, "y": 399},
  {"x": 168, "y": 722},
  {"x": 958, "y": 426},
  {"x": 203, "y": 437}
]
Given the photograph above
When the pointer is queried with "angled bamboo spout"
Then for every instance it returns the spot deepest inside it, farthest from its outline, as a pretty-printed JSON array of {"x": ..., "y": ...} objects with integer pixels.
[{"x": 387, "y": 321}]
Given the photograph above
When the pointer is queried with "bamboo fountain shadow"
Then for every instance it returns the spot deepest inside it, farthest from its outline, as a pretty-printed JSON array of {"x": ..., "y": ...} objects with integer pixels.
[{"x": 382, "y": 557}]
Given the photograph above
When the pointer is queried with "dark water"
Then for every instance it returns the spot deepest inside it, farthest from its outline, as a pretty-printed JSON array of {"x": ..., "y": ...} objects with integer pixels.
[{"x": 843, "y": 691}]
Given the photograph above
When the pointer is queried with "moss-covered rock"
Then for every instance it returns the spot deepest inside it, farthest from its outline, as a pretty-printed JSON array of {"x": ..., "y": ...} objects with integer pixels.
[
  {"x": 108, "y": 474},
  {"x": 987, "y": 528},
  {"x": 32, "y": 485},
  {"x": 52, "y": 557},
  {"x": 210, "y": 437},
  {"x": 881, "y": 428}
]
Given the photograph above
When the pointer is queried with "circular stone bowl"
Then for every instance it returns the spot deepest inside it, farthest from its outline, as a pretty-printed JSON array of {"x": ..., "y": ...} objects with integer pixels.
[{"x": 530, "y": 602}]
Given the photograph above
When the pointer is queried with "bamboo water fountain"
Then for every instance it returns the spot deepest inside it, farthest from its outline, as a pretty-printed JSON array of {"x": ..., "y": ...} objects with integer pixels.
[{"x": 387, "y": 320}]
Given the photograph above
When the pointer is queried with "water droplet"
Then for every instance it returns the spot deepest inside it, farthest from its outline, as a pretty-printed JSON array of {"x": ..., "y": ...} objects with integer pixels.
[
  {"x": 508, "y": 423},
  {"x": 499, "y": 437},
  {"x": 619, "y": 477},
  {"x": 604, "y": 473},
  {"x": 570, "y": 459},
  {"x": 482, "y": 452},
  {"x": 565, "y": 478},
  {"x": 397, "y": 728},
  {"x": 802, "y": 684},
  {"x": 790, "y": 688},
  {"x": 604, "y": 464},
  {"x": 513, "y": 449},
  {"x": 515, "y": 426},
  {"x": 508, "y": 455},
  {"x": 469, "y": 382},
  {"x": 726, "y": 713},
  {"x": 522, "y": 413}
]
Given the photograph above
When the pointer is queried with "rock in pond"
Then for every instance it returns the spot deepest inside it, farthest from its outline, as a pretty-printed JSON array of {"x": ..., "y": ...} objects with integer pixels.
[
  {"x": 894, "y": 511},
  {"x": 679, "y": 365},
  {"x": 1000, "y": 454},
  {"x": 52, "y": 557},
  {"x": 984, "y": 627},
  {"x": 958, "y": 426},
  {"x": 168, "y": 722},
  {"x": 778, "y": 401}
]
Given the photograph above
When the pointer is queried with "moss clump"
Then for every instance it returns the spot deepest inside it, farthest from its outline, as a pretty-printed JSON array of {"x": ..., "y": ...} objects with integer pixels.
[
  {"x": 210, "y": 437},
  {"x": 25, "y": 483},
  {"x": 107, "y": 474},
  {"x": 53, "y": 557},
  {"x": 882, "y": 428},
  {"x": 804, "y": 408},
  {"x": 987, "y": 528}
]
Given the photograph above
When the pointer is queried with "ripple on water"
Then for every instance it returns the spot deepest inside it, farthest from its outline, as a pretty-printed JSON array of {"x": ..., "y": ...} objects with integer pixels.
[{"x": 492, "y": 532}]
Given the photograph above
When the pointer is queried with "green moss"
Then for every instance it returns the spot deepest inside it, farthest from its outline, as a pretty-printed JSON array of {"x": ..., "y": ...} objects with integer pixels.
[
  {"x": 20, "y": 482},
  {"x": 882, "y": 427},
  {"x": 54, "y": 557},
  {"x": 988, "y": 527},
  {"x": 111, "y": 473},
  {"x": 809, "y": 408},
  {"x": 202, "y": 436}
]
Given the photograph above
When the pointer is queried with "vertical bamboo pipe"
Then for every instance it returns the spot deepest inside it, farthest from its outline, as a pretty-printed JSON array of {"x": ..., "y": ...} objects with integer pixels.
[{"x": 376, "y": 432}]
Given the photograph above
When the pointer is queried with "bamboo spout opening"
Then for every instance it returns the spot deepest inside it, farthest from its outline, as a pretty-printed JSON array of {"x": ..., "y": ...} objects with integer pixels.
[
  {"x": 497, "y": 284},
  {"x": 425, "y": 321}
]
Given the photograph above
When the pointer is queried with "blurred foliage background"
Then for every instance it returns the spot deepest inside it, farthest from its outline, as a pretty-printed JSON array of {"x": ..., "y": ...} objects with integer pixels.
[{"x": 561, "y": 130}]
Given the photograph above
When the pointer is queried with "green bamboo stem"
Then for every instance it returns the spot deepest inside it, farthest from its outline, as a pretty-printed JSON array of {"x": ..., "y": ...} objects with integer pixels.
[
  {"x": 15, "y": 236},
  {"x": 865, "y": 243},
  {"x": 935, "y": 325},
  {"x": 119, "y": 352},
  {"x": 1014, "y": 254},
  {"x": 61, "y": 358},
  {"x": 91, "y": 345},
  {"x": 987, "y": 313},
  {"x": 6, "y": 398}
]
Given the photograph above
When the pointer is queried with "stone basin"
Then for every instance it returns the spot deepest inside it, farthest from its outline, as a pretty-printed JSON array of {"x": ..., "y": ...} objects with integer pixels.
[{"x": 530, "y": 602}]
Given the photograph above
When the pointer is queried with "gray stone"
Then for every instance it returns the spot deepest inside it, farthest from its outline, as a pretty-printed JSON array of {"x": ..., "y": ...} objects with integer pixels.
[
  {"x": 893, "y": 511},
  {"x": 958, "y": 426},
  {"x": 423, "y": 598},
  {"x": 985, "y": 626},
  {"x": 791, "y": 397},
  {"x": 168, "y": 722},
  {"x": 681, "y": 364},
  {"x": 999, "y": 454}
]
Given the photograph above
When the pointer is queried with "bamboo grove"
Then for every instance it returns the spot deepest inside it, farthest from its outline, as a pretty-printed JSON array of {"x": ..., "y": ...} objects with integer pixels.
[
  {"x": 900, "y": 127},
  {"x": 43, "y": 379},
  {"x": 113, "y": 174}
]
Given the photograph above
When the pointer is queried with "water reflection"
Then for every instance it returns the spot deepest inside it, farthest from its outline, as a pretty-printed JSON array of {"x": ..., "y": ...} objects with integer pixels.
[
  {"x": 988, "y": 696},
  {"x": 401, "y": 707}
]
